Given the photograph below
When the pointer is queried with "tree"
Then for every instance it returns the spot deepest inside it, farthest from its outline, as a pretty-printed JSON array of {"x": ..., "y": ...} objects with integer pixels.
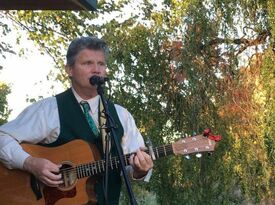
[
  {"x": 4, "y": 111},
  {"x": 4, "y": 47},
  {"x": 4, "y": 88}
]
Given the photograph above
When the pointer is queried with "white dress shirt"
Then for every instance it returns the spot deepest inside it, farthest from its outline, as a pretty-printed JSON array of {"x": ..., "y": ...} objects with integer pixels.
[{"x": 39, "y": 123}]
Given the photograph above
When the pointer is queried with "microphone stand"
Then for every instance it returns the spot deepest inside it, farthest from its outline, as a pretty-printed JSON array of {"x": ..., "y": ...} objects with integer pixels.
[{"x": 111, "y": 129}]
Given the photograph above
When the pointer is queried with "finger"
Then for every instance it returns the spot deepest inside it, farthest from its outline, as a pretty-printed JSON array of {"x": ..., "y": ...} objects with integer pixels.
[
  {"x": 54, "y": 167},
  {"x": 148, "y": 158},
  {"x": 131, "y": 159},
  {"x": 137, "y": 162},
  {"x": 145, "y": 161},
  {"x": 56, "y": 178},
  {"x": 144, "y": 158},
  {"x": 140, "y": 156},
  {"x": 51, "y": 183},
  {"x": 53, "y": 176}
]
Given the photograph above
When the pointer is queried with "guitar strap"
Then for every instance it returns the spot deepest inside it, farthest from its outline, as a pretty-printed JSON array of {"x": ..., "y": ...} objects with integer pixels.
[{"x": 102, "y": 125}]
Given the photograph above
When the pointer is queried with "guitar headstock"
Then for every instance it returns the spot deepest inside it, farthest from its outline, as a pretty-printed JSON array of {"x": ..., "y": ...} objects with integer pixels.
[{"x": 196, "y": 144}]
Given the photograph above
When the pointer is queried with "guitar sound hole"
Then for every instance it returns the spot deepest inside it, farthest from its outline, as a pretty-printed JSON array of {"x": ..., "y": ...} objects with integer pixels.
[{"x": 69, "y": 176}]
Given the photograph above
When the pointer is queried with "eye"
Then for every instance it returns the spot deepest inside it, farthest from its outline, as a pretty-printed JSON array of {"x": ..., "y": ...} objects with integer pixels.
[
  {"x": 101, "y": 63},
  {"x": 88, "y": 63}
]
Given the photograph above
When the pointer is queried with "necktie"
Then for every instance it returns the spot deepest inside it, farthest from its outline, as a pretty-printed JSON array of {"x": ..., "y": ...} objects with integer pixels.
[{"x": 86, "y": 108}]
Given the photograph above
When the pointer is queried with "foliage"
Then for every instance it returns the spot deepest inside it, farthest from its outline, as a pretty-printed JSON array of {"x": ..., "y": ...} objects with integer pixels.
[
  {"x": 4, "y": 111},
  {"x": 182, "y": 66},
  {"x": 142, "y": 196},
  {"x": 4, "y": 47},
  {"x": 4, "y": 89}
]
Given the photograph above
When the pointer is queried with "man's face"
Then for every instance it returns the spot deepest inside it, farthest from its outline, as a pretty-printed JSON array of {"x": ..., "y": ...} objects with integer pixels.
[{"x": 87, "y": 64}]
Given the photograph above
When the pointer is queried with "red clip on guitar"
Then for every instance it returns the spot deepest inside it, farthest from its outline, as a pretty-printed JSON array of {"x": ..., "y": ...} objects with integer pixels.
[{"x": 207, "y": 133}]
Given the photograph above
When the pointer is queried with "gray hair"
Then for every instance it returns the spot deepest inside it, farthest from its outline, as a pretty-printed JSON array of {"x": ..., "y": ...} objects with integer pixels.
[{"x": 82, "y": 43}]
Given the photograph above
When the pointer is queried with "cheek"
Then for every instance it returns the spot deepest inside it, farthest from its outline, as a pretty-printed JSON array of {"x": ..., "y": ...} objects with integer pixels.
[
  {"x": 103, "y": 70},
  {"x": 80, "y": 74}
]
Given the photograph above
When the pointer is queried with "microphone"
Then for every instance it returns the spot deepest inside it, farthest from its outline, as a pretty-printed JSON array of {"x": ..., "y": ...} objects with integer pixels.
[{"x": 98, "y": 80}]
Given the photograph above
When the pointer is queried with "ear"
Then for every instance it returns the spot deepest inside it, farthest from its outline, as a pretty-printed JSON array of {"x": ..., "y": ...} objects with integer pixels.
[{"x": 68, "y": 70}]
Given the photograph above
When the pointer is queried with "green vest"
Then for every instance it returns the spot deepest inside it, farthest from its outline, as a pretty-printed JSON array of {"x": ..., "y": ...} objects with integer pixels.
[{"x": 73, "y": 125}]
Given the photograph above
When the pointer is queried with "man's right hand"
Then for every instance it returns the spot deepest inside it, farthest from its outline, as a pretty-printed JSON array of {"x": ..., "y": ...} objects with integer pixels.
[{"x": 46, "y": 171}]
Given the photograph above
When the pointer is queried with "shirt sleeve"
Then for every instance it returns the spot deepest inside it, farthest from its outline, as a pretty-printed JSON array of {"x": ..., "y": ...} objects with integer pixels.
[
  {"x": 38, "y": 123},
  {"x": 132, "y": 139}
]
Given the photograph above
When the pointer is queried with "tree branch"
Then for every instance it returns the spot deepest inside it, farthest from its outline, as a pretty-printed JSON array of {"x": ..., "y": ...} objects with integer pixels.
[{"x": 243, "y": 42}]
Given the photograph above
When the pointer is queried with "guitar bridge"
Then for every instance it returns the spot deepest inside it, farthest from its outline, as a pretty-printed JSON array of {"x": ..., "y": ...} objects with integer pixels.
[{"x": 35, "y": 187}]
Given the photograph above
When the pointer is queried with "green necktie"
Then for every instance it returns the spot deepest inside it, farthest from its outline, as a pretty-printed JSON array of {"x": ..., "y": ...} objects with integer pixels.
[{"x": 86, "y": 108}]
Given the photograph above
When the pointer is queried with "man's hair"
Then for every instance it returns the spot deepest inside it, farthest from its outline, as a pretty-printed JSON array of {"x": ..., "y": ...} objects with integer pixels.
[{"x": 82, "y": 43}]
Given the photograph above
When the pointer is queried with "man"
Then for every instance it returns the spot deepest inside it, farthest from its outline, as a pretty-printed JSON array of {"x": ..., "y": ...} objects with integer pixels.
[{"x": 57, "y": 120}]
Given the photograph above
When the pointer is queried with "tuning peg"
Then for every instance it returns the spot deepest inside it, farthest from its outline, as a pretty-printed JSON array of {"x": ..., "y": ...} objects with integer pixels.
[
  {"x": 184, "y": 135},
  {"x": 198, "y": 155},
  {"x": 206, "y": 132},
  {"x": 187, "y": 157}
]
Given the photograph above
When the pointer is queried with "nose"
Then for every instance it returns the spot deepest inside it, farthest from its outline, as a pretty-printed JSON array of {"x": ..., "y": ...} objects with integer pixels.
[
  {"x": 99, "y": 69},
  {"x": 95, "y": 69}
]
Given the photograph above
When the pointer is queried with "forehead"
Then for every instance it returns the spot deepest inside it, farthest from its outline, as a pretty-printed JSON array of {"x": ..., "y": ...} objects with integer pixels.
[{"x": 91, "y": 54}]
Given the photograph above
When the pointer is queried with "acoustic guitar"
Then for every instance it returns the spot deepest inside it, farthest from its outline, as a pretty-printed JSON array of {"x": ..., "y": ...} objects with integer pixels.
[{"x": 80, "y": 167}]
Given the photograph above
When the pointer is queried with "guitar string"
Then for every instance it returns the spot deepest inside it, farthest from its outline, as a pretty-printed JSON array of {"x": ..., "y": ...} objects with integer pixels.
[
  {"x": 101, "y": 162},
  {"x": 83, "y": 168},
  {"x": 114, "y": 161}
]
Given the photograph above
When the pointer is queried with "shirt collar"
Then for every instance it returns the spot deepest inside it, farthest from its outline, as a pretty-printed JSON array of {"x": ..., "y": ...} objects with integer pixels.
[{"x": 93, "y": 102}]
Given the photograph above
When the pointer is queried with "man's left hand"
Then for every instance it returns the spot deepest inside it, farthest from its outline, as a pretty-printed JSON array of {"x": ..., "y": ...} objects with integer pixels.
[{"x": 141, "y": 163}]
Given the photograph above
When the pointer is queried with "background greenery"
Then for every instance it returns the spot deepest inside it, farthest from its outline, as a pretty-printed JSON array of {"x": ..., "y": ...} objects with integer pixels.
[{"x": 179, "y": 67}]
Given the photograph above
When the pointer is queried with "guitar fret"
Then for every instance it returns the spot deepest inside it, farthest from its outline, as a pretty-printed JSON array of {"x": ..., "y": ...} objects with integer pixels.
[
  {"x": 80, "y": 171},
  {"x": 111, "y": 163},
  {"x": 164, "y": 150},
  {"x": 93, "y": 168},
  {"x": 98, "y": 165},
  {"x": 96, "y": 170},
  {"x": 88, "y": 170},
  {"x": 103, "y": 165},
  {"x": 125, "y": 160},
  {"x": 157, "y": 152},
  {"x": 170, "y": 149},
  {"x": 77, "y": 174},
  {"x": 83, "y": 170}
]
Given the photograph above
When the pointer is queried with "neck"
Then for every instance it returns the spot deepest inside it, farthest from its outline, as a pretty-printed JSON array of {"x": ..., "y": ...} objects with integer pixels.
[{"x": 85, "y": 94}]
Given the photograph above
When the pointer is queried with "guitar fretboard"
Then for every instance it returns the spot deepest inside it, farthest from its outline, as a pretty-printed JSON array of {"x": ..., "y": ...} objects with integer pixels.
[{"x": 98, "y": 167}]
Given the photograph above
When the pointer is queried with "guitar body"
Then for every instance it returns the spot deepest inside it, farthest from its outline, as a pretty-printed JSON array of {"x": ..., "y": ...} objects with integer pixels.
[{"x": 16, "y": 186}]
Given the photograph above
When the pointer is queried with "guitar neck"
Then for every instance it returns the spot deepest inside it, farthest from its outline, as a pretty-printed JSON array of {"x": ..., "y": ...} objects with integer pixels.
[
  {"x": 183, "y": 146},
  {"x": 98, "y": 167}
]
